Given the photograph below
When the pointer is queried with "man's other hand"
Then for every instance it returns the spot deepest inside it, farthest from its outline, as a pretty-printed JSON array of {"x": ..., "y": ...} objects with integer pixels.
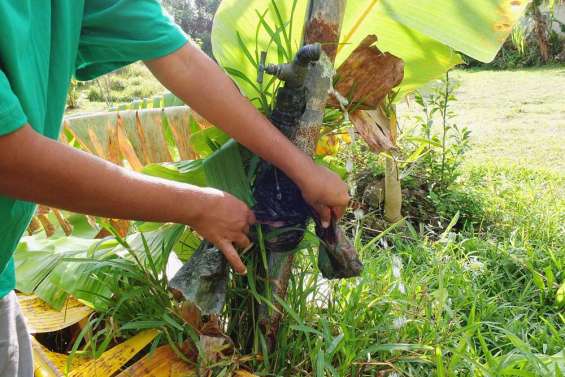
[{"x": 325, "y": 192}]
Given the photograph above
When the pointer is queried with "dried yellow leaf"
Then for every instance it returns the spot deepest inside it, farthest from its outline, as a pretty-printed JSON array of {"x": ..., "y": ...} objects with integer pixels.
[
  {"x": 162, "y": 363},
  {"x": 114, "y": 359},
  {"x": 50, "y": 364},
  {"x": 243, "y": 373},
  {"x": 42, "y": 318}
]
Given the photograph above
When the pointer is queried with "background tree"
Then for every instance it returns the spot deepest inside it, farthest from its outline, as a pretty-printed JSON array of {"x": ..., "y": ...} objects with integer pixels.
[{"x": 195, "y": 18}]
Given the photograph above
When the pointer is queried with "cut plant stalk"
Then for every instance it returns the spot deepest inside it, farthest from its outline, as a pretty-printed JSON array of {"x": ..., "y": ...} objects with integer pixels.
[{"x": 323, "y": 25}]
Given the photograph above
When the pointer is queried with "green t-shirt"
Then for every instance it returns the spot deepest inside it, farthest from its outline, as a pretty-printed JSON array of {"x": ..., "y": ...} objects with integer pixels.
[{"x": 43, "y": 43}]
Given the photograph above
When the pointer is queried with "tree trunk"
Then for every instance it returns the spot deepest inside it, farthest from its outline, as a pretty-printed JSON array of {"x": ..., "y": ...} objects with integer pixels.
[
  {"x": 540, "y": 28},
  {"x": 323, "y": 25}
]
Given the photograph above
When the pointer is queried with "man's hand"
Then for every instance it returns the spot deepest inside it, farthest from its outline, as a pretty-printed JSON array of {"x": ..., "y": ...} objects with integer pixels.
[
  {"x": 223, "y": 220},
  {"x": 325, "y": 192}
]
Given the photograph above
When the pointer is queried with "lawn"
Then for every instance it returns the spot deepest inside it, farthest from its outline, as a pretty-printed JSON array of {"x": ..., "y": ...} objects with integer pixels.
[{"x": 516, "y": 117}]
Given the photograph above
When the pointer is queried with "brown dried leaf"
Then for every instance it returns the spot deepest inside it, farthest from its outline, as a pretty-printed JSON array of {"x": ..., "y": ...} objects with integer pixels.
[
  {"x": 200, "y": 120},
  {"x": 213, "y": 348},
  {"x": 179, "y": 118},
  {"x": 372, "y": 132},
  {"x": 121, "y": 226},
  {"x": 142, "y": 140},
  {"x": 98, "y": 148},
  {"x": 150, "y": 124},
  {"x": 191, "y": 315},
  {"x": 114, "y": 154},
  {"x": 126, "y": 148},
  {"x": 368, "y": 75},
  {"x": 64, "y": 223},
  {"x": 91, "y": 221},
  {"x": 34, "y": 226},
  {"x": 46, "y": 224},
  {"x": 68, "y": 128}
]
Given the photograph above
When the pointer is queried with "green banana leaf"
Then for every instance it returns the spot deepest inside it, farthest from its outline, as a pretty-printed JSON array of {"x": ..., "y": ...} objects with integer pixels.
[
  {"x": 223, "y": 170},
  {"x": 425, "y": 34},
  {"x": 425, "y": 59},
  {"x": 40, "y": 262},
  {"x": 55, "y": 268},
  {"x": 477, "y": 28}
]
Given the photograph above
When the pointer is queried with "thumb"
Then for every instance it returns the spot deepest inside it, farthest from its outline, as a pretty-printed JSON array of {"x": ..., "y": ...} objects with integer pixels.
[{"x": 232, "y": 257}]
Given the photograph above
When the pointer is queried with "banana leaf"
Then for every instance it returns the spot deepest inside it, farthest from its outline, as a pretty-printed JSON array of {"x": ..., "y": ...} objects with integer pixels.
[
  {"x": 424, "y": 34},
  {"x": 54, "y": 269},
  {"x": 223, "y": 170}
]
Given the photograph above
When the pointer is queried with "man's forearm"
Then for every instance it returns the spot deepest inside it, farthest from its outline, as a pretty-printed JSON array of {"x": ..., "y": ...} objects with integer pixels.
[
  {"x": 193, "y": 77},
  {"x": 40, "y": 170}
]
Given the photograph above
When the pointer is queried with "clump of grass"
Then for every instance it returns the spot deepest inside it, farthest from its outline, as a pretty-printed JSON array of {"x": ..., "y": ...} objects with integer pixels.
[{"x": 466, "y": 304}]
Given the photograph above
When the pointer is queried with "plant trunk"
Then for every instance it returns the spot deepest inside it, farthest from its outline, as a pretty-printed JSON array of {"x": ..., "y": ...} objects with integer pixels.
[
  {"x": 393, "y": 192},
  {"x": 323, "y": 25},
  {"x": 540, "y": 28}
]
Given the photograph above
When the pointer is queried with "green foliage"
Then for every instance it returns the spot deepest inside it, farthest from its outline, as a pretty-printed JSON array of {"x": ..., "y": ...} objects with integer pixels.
[
  {"x": 522, "y": 49},
  {"x": 133, "y": 82},
  {"x": 195, "y": 18},
  {"x": 73, "y": 95},
  {"x": 425, "y": 307},
  {"x": 443, "y": 144},
  {"x": 510, "y": 57},
  {"x": 237, "y": 45},
  {"x": 223, "y": 169},
  {"x": 140, "y": 298}
]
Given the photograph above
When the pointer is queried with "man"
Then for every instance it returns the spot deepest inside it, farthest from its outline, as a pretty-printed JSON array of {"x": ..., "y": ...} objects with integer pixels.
[{"x": 42, "y": 44}]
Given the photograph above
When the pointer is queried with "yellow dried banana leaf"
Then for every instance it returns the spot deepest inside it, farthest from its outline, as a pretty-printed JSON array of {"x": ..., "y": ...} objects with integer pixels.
[
  {"x": 114, "y": 359},
  {"x": 51, "y": 364},
  {"x": 41, "y": 318},
  {"x": 162, "y": 363}
]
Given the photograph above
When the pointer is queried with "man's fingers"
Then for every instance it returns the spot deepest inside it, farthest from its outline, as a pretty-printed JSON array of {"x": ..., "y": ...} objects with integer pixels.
[
  {"x": 246, "y": 229},
  {"x": 251, "y": 218},
  {"x": 242, "y": 241},
  {"x": 232, "y": 257},
  {"x": 325, "y": 214},
  {"x": 338, "y": 212}
]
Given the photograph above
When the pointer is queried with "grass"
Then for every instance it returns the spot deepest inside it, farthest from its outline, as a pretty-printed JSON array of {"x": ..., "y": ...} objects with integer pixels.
[
  {"x": 478, "y": 302},
  {"x": 517, "y": 117}
]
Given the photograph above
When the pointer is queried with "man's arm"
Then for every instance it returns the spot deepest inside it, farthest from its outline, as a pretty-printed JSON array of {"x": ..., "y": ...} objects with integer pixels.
[
  {"x": 199, "y": 82},
  {"x": 37, "y": 169}
]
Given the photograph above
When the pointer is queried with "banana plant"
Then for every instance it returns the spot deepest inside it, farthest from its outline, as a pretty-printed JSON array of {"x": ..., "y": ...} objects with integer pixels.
[
  {"x": 426, "y": 35},
  {"x": 401, "y": 40}
]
